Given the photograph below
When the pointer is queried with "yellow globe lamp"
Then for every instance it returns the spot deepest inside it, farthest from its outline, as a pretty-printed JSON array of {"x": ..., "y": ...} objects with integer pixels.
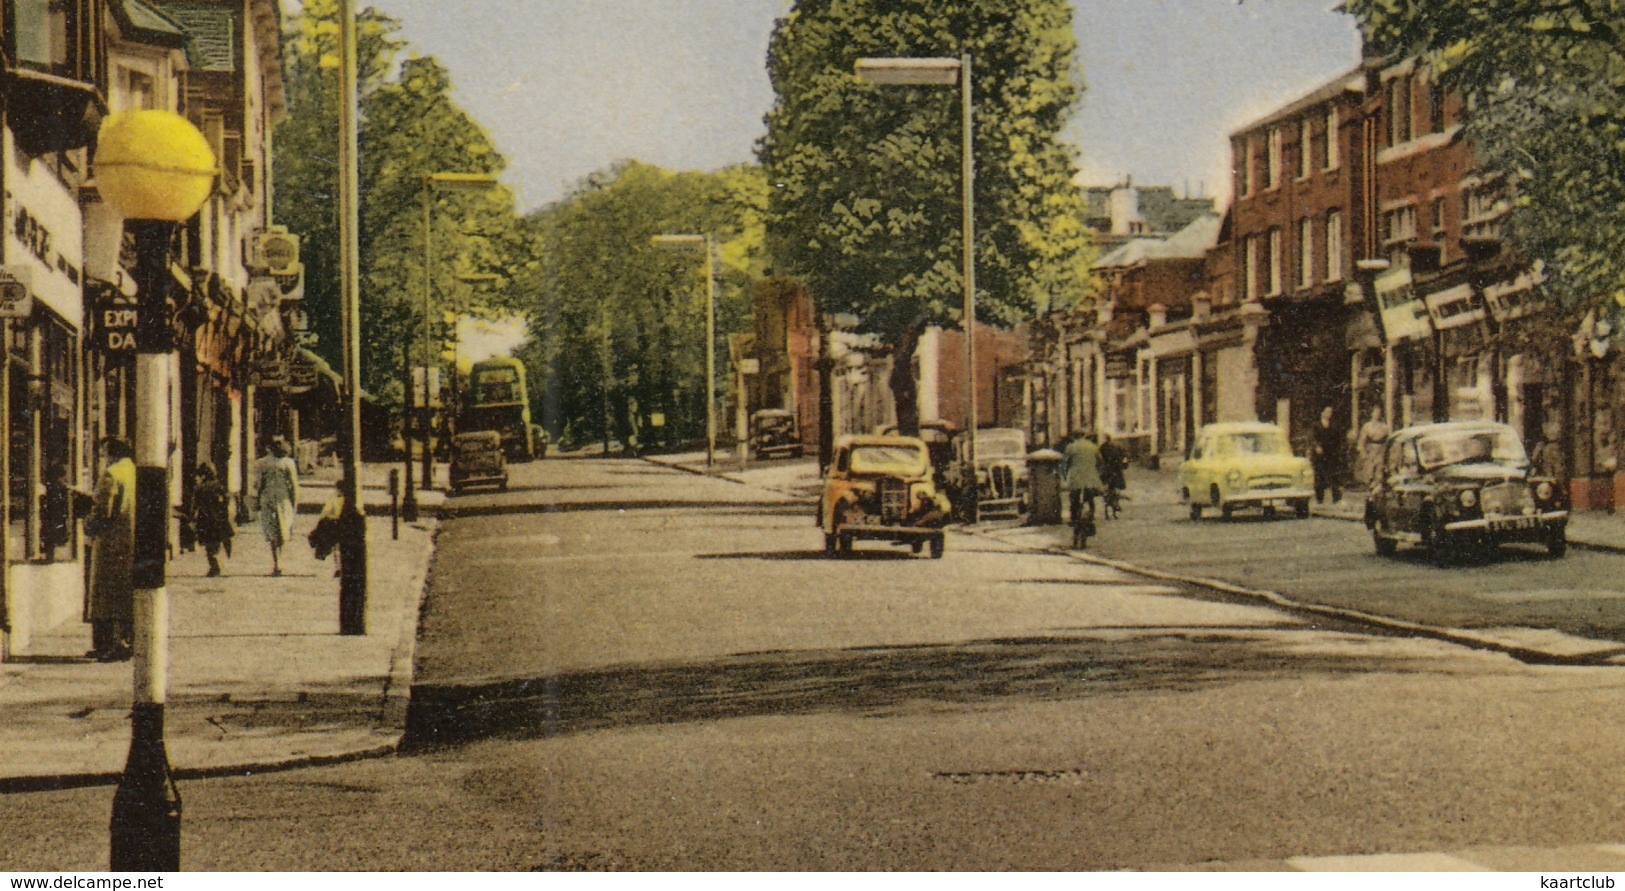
[{"x": 153, "y": 165}]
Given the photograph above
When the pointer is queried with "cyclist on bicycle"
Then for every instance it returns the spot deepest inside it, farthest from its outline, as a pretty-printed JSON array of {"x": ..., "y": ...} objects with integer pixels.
[{"x": 1080, "y": 474}]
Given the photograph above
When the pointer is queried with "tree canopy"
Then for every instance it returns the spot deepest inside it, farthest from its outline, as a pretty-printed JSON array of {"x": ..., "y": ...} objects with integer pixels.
[
  {"x": 618, "y": 326},
  {"x": 409, "y": 127},
  {"x": 1545, "y": 83},
  {"x": 865, "y": 200}
]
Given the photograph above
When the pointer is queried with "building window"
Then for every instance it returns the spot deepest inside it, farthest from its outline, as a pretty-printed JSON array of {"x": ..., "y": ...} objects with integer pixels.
[
  {"x": 1272, "y": 159},
  {"x": 1244, "y": 167},
  {"x": 1482, "y": 207},
  {"x": 1272, "y": 262},
  {"x": 1331, "y": 139},
  {"x": 137, "y": 91},
  {"x": 1399, "y": 110},
  {"x": 1250, "y": 251},
  {"x": 1435, "y": 107},
  {"x": 1334, "y": 245},
  {"x": 1306, "y": 142},
  {"x": 40, "y": 34},
  {"x": 1306, "y": 253},
  {"x": 1399, "y": 225}
]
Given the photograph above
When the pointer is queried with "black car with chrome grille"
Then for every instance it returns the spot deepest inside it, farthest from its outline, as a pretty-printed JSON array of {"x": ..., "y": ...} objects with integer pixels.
[{"x": 1451, "y": 486}]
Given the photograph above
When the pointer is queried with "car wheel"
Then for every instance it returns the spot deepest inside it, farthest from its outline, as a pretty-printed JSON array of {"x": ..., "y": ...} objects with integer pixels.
[
  {"x": 830, "y": 545},
  {"x": 1385, "y": 546},
  {"x": 1269, "y": 511},
  {"x": 844, "y": 545},
  {"x": 937, "y": 545},
  {"x": 1438, "y": 546},
  {"x": 1557, "y": 543},
  {"x": 1301, "y": 508},
  {"x": 916, "y": 546},
  {"x": 1227, "y": 510},
  {"x": 1196, "y": 511}
]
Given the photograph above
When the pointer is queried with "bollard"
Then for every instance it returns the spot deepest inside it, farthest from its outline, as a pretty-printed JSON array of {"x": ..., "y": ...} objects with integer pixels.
[
  {"x": 1044, "y": 480},
  {"x": 394, "y": 512}
]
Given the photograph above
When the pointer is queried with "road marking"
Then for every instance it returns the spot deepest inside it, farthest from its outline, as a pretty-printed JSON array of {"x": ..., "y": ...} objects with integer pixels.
[{"x": 1431, "y": 861}]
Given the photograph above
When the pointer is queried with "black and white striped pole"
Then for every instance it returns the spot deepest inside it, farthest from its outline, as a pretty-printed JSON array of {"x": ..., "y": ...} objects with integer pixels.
[{"x": 156, "y": 169}]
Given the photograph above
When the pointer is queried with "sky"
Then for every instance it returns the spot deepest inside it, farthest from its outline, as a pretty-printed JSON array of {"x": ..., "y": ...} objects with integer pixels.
[{"x": 568, "y": 87}]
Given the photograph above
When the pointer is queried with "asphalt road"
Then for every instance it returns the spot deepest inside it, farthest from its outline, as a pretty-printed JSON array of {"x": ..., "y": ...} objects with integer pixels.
[
  {"x": 1332, "y": 562},
  {"x": 626, "y": 667}
]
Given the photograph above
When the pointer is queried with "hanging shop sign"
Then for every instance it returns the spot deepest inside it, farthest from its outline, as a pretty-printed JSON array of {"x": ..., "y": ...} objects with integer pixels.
[
  {"x": 114, "y": 320},
  {"x": 1454, "y": 307},
  {"x": 1510, "y": 299},
  {"x": 16, "y": 300},
  {"x": 270, "y": 371},
  {"x": 1404, "y": 316}
]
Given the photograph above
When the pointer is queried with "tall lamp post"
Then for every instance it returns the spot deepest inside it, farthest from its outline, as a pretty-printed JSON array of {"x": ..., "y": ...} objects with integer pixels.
[
  {"x": 944, "y": 72},
  {"x": 703, "y": 243},
  {"x": 352, "y": 522},
  {"x": 156, "y": 169},
  {"x": 432, "y": 182}
]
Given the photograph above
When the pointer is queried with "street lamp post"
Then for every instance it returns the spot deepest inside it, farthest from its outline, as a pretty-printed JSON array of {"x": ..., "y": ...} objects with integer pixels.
[
  {"x": 703, "y": 242},
  {"x": 948, "y": 72},
  {"x": 431, "y": 182},
  {"x": 156, "y": 169},
  {"x": 352, "y": 522}
]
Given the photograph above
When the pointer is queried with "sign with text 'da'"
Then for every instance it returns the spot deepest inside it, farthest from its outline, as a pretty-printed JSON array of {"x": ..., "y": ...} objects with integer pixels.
[{"x": 113, "y": 321}]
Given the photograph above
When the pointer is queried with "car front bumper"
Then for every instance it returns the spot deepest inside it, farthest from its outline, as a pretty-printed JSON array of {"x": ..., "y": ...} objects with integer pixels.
[
  {"x": 889, "y": 533},
  {"x": 1269, "y": 496},
  {"x": 1511, "y": 526}
]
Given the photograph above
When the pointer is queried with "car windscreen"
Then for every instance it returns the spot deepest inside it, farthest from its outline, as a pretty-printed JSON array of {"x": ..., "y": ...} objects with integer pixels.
[
  {"x": 1263, "y": 442},
  {"x": 1474, "y": 446},
  {"x": 902, "y": 459}
]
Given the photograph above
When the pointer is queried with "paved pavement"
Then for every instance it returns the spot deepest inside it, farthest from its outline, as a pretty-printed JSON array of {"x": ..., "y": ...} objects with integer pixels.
[{"x": 259, "y": 677}]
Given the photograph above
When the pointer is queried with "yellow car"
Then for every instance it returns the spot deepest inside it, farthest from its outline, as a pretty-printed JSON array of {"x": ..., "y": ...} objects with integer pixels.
[
  {"x": 881, "y": 488},
  {"x": 1245, "y": 464}
]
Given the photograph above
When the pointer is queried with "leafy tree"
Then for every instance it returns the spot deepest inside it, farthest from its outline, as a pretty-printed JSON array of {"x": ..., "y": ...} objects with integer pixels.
[
  {"x": 617, "y": 326},
  {"x": 865, "y": 204},
  {"x": 1545, "y": 83},
  {"x": 409, "y": 127}
]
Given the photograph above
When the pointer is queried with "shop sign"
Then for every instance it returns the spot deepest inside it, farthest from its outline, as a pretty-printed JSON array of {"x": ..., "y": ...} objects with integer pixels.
[
  {"x": 1404, "y": 317},
  {"x": 1454, "y": 307},
  {"x": 16, "y": 301},
  {"x": 1509, "y": 300},
  {"x": 271, "y": 371},
  {"x": 115, "y": 321},
  {"x": 1119, "y": 365}
]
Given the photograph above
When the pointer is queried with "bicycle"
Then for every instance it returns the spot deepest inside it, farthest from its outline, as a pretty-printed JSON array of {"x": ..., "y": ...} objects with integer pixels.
[{"x": 1083, "y": 518}]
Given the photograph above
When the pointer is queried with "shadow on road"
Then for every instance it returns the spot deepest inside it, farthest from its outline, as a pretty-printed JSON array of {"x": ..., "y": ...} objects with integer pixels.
[
  {"x": 856, "y": 554},
  {"x": 755, "y": 508},
  {"x": 867, "y": 681}
]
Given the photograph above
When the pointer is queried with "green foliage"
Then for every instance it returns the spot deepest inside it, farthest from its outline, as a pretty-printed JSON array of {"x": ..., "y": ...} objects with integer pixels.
[
  {"x": 409, "y": 127},
  {"x": 1546, "y": 85},
  {"x": 865, "y": 203},
  {"x": 617, "y": 325}
]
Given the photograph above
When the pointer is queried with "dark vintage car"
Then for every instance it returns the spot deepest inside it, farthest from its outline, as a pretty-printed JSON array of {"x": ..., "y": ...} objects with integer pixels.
[
  {"x": 881, "y": 488},
  {"x": 773, "y": 434},
  {"x": 1450, "y": 486}
]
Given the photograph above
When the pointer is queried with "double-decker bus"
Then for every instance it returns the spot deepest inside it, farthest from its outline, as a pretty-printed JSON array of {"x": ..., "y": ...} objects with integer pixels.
[{"x": 496, "y": 399}]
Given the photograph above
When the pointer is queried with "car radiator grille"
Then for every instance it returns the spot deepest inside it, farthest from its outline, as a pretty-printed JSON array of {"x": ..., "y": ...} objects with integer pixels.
[
  {"x": 893, "y": 501},
  {"x": 1269, "y": 482},
  {"x": 1004, "y": 481},
  {"x": 1505, "y": 498}
]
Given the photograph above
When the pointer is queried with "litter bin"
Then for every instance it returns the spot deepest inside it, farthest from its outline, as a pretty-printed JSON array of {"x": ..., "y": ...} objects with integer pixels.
[{"x": 1044, "y": 476}]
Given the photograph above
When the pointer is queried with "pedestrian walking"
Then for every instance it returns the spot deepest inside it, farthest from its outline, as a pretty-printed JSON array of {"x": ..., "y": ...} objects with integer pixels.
[
  {"x": 211, "y": 516},
  {"x": 110, "y": 599},
  {"x": 1080, "y": 473},
  {"x": 1326, "y": 457},
  {"x": 324, "y": 537},
  {"x": 1113, "y": 464},
  {"x": 1373, "y": 434},
  {"x": 276, "y": 496}
]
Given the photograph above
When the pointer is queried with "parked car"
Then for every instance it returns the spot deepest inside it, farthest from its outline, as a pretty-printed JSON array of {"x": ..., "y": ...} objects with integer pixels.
[
  {"x": 881, "y": 488},
  {"x": 773, "y": 434},
  {"x": 1451, "y": 485},
  {"x": 1244, "y": 464},
  {"x": 1001, "y": 470},
  {"x": 477, "y": 459}
]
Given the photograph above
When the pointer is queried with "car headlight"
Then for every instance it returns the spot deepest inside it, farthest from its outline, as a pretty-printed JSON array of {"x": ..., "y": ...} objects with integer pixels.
[
  {"x": 1233, "y": 477},
  {"x": 1468, "y": 498},
  {"x": 1544, "y": 491}
]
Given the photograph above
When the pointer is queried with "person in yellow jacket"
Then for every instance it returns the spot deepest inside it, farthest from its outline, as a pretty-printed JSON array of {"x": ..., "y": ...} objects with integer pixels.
[{"x": 110, "y": 600}]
